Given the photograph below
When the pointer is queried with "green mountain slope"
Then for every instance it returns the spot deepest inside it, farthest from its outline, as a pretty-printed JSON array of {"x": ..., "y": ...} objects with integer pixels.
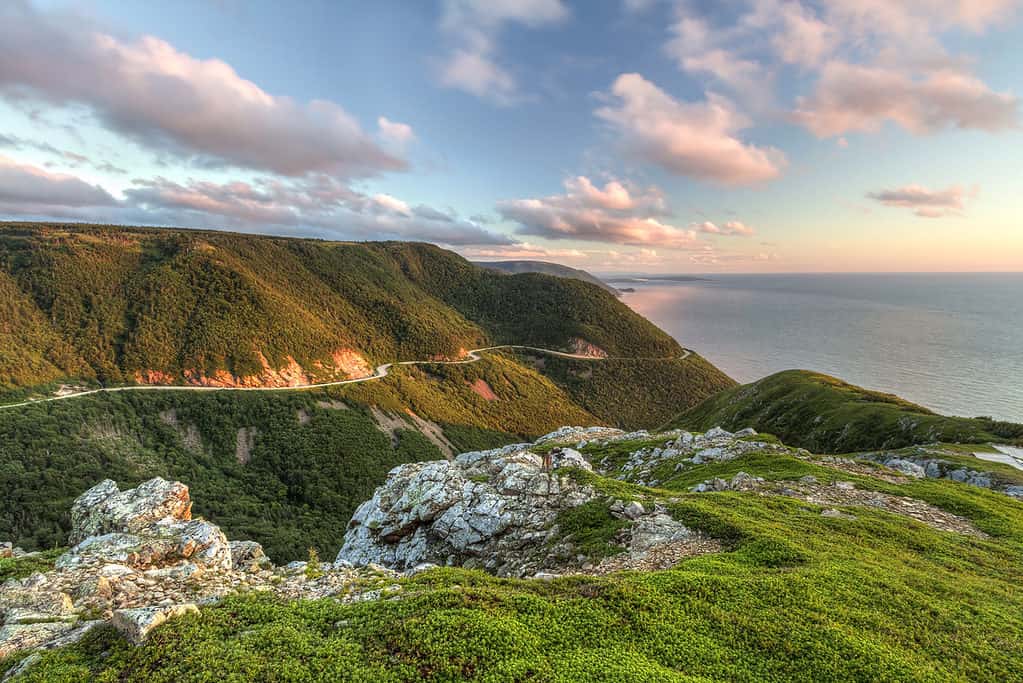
[
  {"x": 546, "y": 268},
  {"x": 827, "y": 415},
  {"x": 168, "y": 306},
  {"x": 633, "y": 393},
  {"x": 550, "y": 311}
]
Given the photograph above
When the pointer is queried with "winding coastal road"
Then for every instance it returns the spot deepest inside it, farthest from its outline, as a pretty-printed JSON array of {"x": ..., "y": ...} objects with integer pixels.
[{"x": 381, "y": 372}]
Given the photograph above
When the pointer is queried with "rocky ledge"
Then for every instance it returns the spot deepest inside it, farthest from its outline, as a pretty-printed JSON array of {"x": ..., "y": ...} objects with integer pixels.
[
  {"x": 139, "y": 558},
  {"x": 498, "y": 510}
]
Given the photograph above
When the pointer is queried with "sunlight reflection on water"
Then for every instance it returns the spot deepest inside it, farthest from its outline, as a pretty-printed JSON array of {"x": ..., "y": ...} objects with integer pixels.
[{"x": 952, "y": 342}]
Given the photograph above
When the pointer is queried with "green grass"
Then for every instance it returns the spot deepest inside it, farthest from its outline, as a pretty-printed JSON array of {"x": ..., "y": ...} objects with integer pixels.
[
  {"x": 591, "y": 528},
  {"x": 20, "y": 567},
  {"x": 826, "y": 415}
]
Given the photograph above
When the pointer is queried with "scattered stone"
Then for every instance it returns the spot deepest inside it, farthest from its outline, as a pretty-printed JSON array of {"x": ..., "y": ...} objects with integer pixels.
[
  {"x": 137, "y": 623},
  {"x": 248, "y": 556},
  {"x": 836, "y": 514},
  {"x": 633, "y": 510}
]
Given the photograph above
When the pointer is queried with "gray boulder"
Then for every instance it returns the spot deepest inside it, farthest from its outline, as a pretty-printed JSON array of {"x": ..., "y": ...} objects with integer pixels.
[
  {"x": 145, "y": 527},
  {"x": 907, "y": 467},
  {"x": 248, "y": 556},
  {"x": 489, "y": 509},
  {"x": 137, "y": 623},
  {"x": 717, "y": 433},
  {"x": 104, "y": 509}
]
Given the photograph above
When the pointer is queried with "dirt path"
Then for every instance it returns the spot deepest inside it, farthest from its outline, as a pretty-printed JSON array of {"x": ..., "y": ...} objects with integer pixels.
[{"x": 380, "y": 372}]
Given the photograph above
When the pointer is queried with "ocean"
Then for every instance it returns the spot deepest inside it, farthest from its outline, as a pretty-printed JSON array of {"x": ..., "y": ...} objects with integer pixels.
[{"x": 952, "y": 342}]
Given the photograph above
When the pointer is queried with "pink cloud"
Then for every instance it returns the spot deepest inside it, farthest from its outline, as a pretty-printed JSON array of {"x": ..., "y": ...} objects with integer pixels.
[
  {"x": 925, "y": 202},
  {"x": 612, "y": 214},
  {"x": 851, "y": 97},
  {"x": 164, "y": 98},
  {"x": 25, "y": 189},
  {"x": 732, "y": 228},
  {"x": 691, "y": 139}
]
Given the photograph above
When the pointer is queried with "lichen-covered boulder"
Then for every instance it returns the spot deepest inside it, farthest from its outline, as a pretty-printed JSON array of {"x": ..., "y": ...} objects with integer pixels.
[
  {"x": 490, "y": 509},
  {"x": 105, "y": 509},
  {"x": 137, "y": 623},
  {"x": 146, "y": 527}
]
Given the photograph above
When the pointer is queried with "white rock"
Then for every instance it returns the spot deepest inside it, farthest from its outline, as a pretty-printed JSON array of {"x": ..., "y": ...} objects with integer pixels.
[
  {"x": 717, "y": 433},
  {"x": 137, "y": 623},
  {"x": 104, "y": 509},
  {"x": 634, "y": 510}
]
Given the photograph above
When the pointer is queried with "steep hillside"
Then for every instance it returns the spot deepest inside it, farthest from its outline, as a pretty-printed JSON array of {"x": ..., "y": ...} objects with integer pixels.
[
  {"x": 277, "y": 467},
  {"x": 550, "y": 311},
  {"x": 827, "y": 415},
  {"x": 122, "y": 305},
  {"x": 633, "y": 393},
  {"x": 546, "y": 268}
]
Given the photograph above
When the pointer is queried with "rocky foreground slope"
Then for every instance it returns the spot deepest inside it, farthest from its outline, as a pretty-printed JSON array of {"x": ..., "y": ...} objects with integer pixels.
[{"x": 719, "y": 515}]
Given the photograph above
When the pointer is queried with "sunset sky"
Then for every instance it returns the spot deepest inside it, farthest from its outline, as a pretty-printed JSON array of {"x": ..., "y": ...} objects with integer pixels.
[{"x": 616, "y": 135}]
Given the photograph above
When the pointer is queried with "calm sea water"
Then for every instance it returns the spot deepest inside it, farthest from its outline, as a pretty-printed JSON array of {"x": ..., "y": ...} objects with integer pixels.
[{"x": 951, "y": 342}]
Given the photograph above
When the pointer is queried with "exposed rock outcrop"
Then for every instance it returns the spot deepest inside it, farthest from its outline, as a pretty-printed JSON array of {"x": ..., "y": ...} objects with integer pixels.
[
  {"x": 147, "y": 526},
  {"x": 489, "y": 509},
  {"x": 140, "y": 559},
  {"x": 498, "y": 510},
  {"x": 927, "y": 462}
]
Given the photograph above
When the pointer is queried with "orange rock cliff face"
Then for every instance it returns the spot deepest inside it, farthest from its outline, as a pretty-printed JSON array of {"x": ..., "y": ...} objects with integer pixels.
[
  {"x": 585, "y": 348},
  {"x": 342, "y": 364}
]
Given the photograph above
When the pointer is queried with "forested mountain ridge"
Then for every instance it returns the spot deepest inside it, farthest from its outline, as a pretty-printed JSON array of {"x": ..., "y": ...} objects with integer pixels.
[
  {"x": 122, "y": 305},
  {"x": 546, "y": 268}
]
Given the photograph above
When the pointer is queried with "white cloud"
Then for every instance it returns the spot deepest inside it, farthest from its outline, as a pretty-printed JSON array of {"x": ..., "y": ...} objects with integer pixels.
[
  {"x": 399, "y": 134},
  {"x": 692, "y": 139},
  {"x": 166, "y": 99},
  {"x": 925, "y": 202},
  {"x": 473, "y": 25},
  {"x": 699, "y": 49}
]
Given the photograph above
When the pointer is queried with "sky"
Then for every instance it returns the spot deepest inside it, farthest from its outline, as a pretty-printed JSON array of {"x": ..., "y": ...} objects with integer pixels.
[{"x": 639, "y": 136}]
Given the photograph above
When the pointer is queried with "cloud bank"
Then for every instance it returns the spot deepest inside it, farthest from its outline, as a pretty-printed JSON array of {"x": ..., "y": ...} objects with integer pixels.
[{"x": 165, "y": 99}]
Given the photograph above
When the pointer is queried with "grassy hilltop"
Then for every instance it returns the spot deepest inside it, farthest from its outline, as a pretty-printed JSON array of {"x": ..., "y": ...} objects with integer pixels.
[{"x": 827, "y": 415}]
